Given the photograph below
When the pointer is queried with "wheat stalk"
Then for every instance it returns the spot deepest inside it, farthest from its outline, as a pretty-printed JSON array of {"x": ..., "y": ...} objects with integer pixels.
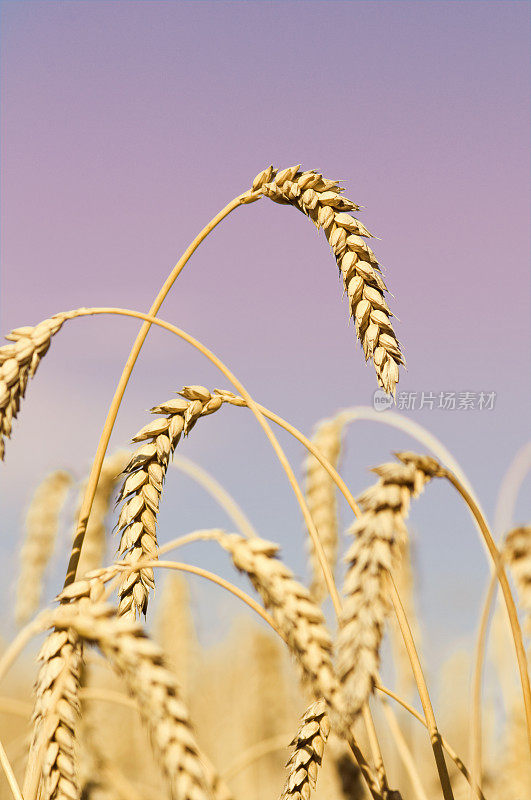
[
  {"x": 52, "y": 753},
  {"x": 140, "y": 661},
  {"x": 308, "y": 744},
  {"x": 517, "y": 552},
  {"x": 321, "y": 499},
  {"x": 142, "y": 487},
  {"x": 18, "y": 363},
  {"x": 373, "y": 554},
  {"x": 321, "y": 200},
  {"x": 94, "y": 546},
  {"x": 42, "y": 521}
]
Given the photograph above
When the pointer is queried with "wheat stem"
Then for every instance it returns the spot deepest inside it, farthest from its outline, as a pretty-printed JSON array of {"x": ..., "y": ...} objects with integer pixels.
[
  {"x": 475, "y": 753},
  {"x": 10, "y": 775},
  {"x": 20, "y": 641},
  {"x": 404, "y": 751},
  {"x": 507, "y": 595},
  {"x": 424, "y": 696},
  {"x": 92, "y": 483},
  {"x": 82, "y": 312},
  {"x": 41, "y": 526}
]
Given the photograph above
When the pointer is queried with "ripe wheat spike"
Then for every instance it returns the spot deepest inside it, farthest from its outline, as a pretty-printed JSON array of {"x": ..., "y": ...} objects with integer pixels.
[
  {"x": 18, "y": 363},
  {"x": 55, "y": 717},
  {"x": 322, "y": 201},
  {"x": 378, "y": 532},
  {"x": 309, "y": 745},
  {"x": 321, "y": 499},
  {"x": 42, "y": 523},
  {"x": 145, "y": 474},
  {"x": 298, "y": 617}
]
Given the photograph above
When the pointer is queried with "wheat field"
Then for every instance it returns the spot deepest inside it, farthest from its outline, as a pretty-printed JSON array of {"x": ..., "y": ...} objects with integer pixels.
[{"x": 123, "y": 700}]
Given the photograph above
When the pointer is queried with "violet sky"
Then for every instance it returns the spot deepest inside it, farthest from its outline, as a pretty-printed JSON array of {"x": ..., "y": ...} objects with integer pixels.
[{"x": 127, "y": 125}]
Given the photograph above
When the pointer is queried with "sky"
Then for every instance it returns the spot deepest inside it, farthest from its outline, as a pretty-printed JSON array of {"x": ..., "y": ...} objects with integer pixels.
[{"x": 126, "y": 126}]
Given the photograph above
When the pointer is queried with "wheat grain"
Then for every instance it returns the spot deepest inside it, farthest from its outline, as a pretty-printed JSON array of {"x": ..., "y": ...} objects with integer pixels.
[
  {"x": 41, "y": 525},
  {"x": 374, "y": 552},
  {"x": 18, "y": 363},
  {"x": 308, "y": 744},
  {"x": 142, "y": 487},
  {"x": 140, "y": 662},
  {"x": 322, "y": 201},
  {"x": 54, "y": 719},
  {"x": 321, "y": 499},
  {"x": 517, "y": 551},
  {"x": 94, "y": 543},
  {"x": 298, "y": 617}
]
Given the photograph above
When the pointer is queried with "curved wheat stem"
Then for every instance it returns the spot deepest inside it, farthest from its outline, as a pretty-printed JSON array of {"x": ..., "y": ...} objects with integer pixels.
[
  {"x": 321, "y": 498},
  {"x": 18, "y": 363},
  {"x": 321, "y": 200},
  {"x": 42, "y": 522},
  {"x": 95, "y": 539},
  {"x": 247, "y": 400},
  {"x": 145, "y": 474},
  {"x": 52, "y": 763},
  {"x": 374, "y": 552},
  {"x": 307, "y": 755},
  {"x": 86, "y": 505}
]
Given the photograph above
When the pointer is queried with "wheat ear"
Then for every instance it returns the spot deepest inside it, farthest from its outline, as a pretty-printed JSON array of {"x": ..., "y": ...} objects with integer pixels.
[
  {"x": 140, "y": 661},
  {"x": 322, "y": 201},
  {"x": 42, "y": 522},
  {"x": 517, "y": 552},
  {"x": 52, "y": 753},
  {"x": 94, "y": 545},
  {"x": 321, "y": 499},
  {"x": 373, "y": 554},
  {"x": 298, "y": 617},
  {"x": 142, "y": 487},
  {"x": 308, "y": 744},
  {"x": 18, "y": 363}
]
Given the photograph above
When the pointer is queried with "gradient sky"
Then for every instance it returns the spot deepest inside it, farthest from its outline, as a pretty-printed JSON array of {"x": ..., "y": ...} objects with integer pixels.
[{"x": 127, "y": 125}]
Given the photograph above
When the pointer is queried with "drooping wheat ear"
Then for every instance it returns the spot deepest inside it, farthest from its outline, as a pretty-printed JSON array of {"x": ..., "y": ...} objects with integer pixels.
[
  {"x": 42, "y": 522},
  {"x": 321, "y": 200},
  {"x": 298, "y": 616},
  {"x": 18, "y": 363},
  {"x": 140, "y": 662},
  {"x": 308, "y": 744},
  {"x": 143, "y": 487},
  {"x": 321, "y": 499},
  {"x": 94, "y": 544},
  {"x": 55, "y": 717},
  {"x": 517, "y": 551},
  {"x": 374, "y": 552}
]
